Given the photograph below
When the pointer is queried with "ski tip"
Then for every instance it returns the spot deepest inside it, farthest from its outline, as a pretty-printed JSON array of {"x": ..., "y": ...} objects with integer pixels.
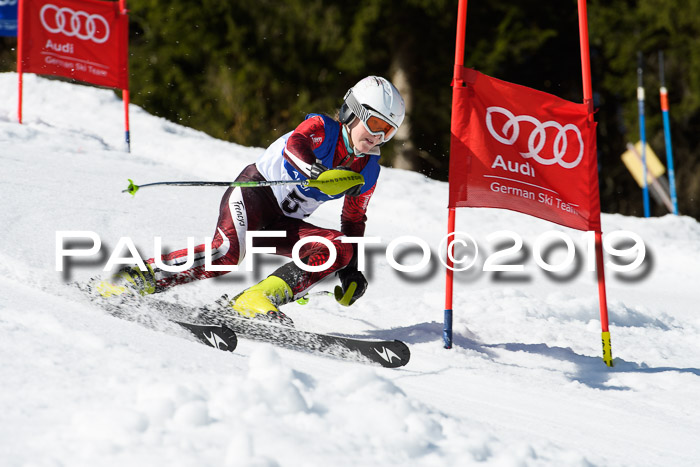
[
  {"x": 391, "y": 354},
  {"x": 218, "y": 336}
]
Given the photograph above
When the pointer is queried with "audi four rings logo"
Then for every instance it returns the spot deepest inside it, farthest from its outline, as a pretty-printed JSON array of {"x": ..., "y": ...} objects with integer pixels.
[
  {"x": 74, "y": 23},
  {"x": 537, "y": 138}
]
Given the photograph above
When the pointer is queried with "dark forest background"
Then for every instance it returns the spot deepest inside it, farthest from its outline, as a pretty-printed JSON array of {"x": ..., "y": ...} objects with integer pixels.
[{"x": 249, "y": 70}]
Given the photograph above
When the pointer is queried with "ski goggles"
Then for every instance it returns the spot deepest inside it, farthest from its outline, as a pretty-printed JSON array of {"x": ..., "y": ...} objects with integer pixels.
[{"x": 375, "y": 123}]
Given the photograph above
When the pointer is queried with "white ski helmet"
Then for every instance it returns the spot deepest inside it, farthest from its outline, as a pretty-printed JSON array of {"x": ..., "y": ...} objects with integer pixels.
[{"x": 378, "y": 105}]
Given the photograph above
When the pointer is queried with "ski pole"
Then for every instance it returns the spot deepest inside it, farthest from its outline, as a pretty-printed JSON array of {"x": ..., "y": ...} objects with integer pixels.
[
  {"x": 133, "y": 188},
  {"x": 344, "y": 298},
  {"x": 305, "y": 299},
  {"x": 331, "y": 182}
]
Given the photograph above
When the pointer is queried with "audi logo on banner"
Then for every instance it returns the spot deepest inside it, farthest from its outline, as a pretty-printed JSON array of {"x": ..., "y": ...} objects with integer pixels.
[
  {"x": 538, "y": 138},
  {"x": 73, "y": 23}
]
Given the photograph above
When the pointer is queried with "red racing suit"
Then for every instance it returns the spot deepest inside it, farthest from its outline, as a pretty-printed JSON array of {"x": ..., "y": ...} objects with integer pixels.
[{"x": 284, "y": 208}]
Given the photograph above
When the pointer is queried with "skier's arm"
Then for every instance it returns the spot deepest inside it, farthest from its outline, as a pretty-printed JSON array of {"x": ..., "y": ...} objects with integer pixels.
[
  {"x": 352, "y": 223},
  {"x": 299, "y": 150},
  {"x": 354, "y": 215}
]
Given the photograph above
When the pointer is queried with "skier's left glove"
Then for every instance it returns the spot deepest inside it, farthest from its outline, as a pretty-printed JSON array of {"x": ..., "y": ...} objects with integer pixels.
[
  {"x": 353, "y": 287},
  {"x": 354, "y": 191},
  {"x": 316, "y": 169},
  {"x": 352, "y": 283}
]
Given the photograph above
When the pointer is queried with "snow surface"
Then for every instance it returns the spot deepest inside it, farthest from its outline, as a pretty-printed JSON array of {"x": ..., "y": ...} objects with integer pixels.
[{"x": 525, "y": 384}]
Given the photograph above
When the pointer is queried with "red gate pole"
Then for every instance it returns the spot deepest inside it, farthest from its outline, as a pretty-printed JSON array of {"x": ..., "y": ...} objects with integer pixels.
[
  {"x": 449, "y": 282},
  {"x": 456, "y": 82},
  {"x": 20, "y": 49},
  {"x": 125, "y": 92},
  {"x": 588, "y": 101}
]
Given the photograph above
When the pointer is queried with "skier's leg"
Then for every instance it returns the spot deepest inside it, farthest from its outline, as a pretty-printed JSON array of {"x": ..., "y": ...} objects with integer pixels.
[
  {"x": 312, "y": 254},
  {"x": 241, "y": 209},
  {"x": 227, "y": 246},
  {"x": 291, "y": 281}
]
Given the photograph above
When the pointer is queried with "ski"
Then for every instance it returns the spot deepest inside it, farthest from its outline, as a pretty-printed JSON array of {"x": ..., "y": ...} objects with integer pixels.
[
  {"x": 387, "y": 353},
  {"x": 219, "y": 327}
]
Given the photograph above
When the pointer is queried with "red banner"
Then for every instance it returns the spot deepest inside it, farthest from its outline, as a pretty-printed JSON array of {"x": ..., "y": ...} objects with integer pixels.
[
  {"x": 520, "y": 149},
  {"x": 86, "y": 40}
]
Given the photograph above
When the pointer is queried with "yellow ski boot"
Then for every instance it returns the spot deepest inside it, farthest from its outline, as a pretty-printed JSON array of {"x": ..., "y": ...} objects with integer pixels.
[{"x": 262, "y": 301}]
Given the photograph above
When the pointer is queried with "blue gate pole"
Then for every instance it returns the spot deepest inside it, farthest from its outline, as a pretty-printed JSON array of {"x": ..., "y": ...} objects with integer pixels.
[{"x": 642, "y": 133}]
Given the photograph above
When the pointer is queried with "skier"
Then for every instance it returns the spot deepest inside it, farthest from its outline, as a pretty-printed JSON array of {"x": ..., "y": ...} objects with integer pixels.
[{"x": 370, "y": 116}]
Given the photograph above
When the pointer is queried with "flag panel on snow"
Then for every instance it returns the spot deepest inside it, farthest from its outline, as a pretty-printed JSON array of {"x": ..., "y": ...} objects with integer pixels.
[
  {"x": 86, "y": 40},
  {"x": 520, "y": 149}
]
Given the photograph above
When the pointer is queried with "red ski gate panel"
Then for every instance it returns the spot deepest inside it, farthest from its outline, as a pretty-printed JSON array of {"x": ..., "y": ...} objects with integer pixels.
[
  {"x": 524, "y": 150},
  {"x": 86, "y": 40}
]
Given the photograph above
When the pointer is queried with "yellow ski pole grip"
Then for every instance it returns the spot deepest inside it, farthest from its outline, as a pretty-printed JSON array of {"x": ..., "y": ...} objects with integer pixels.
[
  {"x": 344, "y": 299},
  {"x": 335, "y": 181}
]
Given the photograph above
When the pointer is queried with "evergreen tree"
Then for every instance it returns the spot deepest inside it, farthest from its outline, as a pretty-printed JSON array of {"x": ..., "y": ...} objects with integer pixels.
[
  {"x": 618, "y": 31},
  {"x": 248, "y": 71}
]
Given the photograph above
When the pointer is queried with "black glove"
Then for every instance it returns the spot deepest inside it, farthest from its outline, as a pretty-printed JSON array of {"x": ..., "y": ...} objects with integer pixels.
[
  {"x": 317, "y": 169},
  {"x": 353, "y": 283},
  {"x": 354, "y": 191}
]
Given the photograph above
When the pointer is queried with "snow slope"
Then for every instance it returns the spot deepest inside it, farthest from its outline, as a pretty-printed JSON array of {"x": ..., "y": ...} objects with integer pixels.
[{"x": 524, "y": 385}]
